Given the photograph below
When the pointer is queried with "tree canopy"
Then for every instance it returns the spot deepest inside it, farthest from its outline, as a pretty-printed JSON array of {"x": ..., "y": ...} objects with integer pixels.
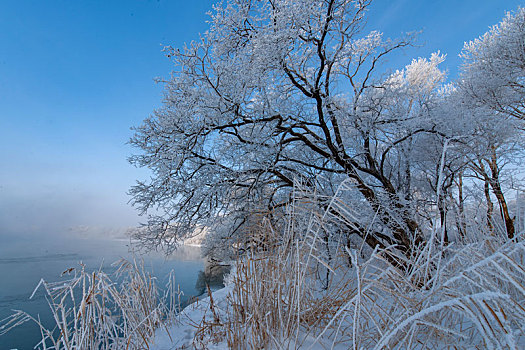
[{"x": 281, "y": 90}]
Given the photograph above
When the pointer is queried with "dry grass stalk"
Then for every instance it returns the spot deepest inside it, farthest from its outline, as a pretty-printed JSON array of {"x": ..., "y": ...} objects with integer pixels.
[
  {"x": 465, "y": 295},
  {"x": 93, "y": 310}
]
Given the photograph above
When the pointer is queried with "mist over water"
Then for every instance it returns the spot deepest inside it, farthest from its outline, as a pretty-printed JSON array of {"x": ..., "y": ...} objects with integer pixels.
[{"x": 26, "y": 258}]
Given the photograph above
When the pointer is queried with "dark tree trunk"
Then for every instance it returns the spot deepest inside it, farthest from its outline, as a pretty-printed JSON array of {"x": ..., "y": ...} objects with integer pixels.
[
  {"x": 496, "y": 188},
  {"x": 462, "y": 228},
  {"x": 490, "y": 206}
]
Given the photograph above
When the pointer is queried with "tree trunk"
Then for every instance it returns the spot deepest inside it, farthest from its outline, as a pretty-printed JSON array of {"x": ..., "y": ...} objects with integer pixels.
[
  {"x": 405, "y": 236},
  {"x": 490, "y": 206},
  {"x": 462, "y": 228},
  {"x": 442, "y": 219},
  {"x": 496, "y": 188},
  {"x": 509, "y": 222}
]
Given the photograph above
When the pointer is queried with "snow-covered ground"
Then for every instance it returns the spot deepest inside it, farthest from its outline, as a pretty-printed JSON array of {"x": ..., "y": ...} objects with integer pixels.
[
  {"x": 383, "y": 303},
  {"x": 181, "y": 335}
]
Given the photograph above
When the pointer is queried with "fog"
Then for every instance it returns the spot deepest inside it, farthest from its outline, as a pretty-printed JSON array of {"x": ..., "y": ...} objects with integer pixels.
[{"x": 59, "y": 211}]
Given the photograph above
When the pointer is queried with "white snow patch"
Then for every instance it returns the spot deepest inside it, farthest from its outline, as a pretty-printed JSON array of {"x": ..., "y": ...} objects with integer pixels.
[{"x": 180, "y": 335}]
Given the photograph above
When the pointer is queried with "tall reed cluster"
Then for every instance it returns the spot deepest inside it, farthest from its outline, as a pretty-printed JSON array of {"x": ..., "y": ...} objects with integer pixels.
[
  {"x": 307, "y": 292},
  {"x": 94, "y": 310}
]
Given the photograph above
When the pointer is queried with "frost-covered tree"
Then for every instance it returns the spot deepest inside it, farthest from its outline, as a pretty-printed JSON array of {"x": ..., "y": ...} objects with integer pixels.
[
  {"x": 493, "y": 70},
  {"x": 492, "y": 92},
  {"x": 279, "y": 90},
  {"x": 490, "y": 149}
]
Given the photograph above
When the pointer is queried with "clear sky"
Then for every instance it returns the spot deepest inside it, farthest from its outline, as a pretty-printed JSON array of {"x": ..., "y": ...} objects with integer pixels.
[{"x": 75, "y": 75}]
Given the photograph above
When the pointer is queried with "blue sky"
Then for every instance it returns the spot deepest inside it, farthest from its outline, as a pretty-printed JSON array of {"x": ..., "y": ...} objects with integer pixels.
[{"x": 76, "y": 75}]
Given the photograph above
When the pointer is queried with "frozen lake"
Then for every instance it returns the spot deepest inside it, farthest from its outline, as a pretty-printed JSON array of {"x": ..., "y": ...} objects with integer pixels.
[{"x": 26, "y": 259}]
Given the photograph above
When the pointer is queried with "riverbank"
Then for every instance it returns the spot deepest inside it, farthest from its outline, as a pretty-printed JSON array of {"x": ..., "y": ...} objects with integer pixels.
[
  {"x": 183, "y": 334},
  {"x": 277, "y": 300}
]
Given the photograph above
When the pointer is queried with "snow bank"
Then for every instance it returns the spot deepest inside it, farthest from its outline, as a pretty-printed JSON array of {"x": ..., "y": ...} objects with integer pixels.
[{"x": 181, "y": 335}]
